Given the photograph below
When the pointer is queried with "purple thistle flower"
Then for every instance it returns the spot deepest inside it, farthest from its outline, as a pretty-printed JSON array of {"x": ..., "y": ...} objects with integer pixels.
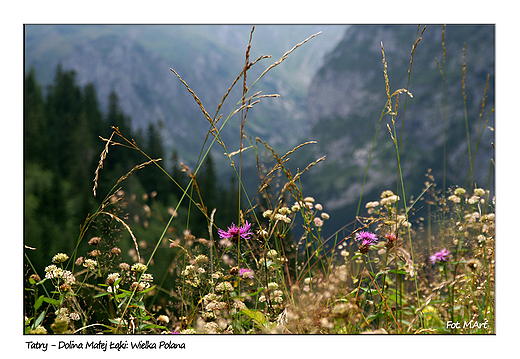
[
  {"x": 441, "y": 256},
  {"x": 367, "y": 238},
  {"x": 234, "y": 233}
]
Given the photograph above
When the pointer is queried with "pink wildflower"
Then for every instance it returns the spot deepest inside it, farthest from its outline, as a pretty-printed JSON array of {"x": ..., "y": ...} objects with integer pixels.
[
  {"x": 245, "y": 273},
  {"x": 367, "y": 238},
  {"x": 234, "y": 233},
  {"x": 441, "y": 256}
]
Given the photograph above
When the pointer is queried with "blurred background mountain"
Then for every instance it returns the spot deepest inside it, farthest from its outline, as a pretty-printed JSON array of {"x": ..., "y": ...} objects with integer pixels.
[
  {"x": 347, "y": 95},
  {"x": 134, "y": 61},
  {"x": 81, "y": 79}
]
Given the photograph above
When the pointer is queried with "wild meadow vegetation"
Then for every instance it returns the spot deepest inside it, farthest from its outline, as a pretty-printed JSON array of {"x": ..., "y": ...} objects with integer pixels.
[{"x": 385, "y": 271}]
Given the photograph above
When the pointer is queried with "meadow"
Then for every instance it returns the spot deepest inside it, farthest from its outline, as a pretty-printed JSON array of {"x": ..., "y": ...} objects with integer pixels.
[{"x": 391, "y": 273}]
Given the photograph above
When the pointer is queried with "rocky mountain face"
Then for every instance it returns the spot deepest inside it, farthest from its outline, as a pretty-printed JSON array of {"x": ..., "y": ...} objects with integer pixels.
[{"x": 348, "y": 94}]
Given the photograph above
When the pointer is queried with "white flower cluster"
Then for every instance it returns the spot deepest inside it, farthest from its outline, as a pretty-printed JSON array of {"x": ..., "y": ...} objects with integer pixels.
[
  {"x": 190, "y": 275},
  {"x": 282, "y": 214},
  {"x": 224, "y": 287},
  {"x": 139, "y": 268},
  {"x": 60, "y": 258},
  {"x": 63, "y": 313},
  {"x": 388, "y": 197},
  {"x": 275, "y": 295},
  {"x": 147, "y": 277},
  {"x": 112, "y": 278},
  {"x": 91, "y": 264},
  {"x": 313, "y": 208},
  {"x": 53, "y": 272}
]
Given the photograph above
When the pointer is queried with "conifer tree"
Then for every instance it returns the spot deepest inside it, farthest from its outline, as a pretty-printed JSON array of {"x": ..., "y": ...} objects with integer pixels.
[
  {"x": 63, "y": 107},
  {"x": 35, "y": 126}
]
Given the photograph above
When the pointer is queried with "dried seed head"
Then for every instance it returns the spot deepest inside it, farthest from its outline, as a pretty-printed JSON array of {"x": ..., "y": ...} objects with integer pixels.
[{"x": 94, "y": 241}]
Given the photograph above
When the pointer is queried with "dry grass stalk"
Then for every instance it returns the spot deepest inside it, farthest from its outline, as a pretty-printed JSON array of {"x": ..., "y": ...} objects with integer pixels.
[
  {"x": 128, "y": 229},
  {"x": 206, "y": 114},
  {"x": 464, "y": 72},
  {"x": 239, "y": 151},
  {"x": 137, "y": 167},
  {"x": 298, "y": 147},
  {"x": 104, "y": 154},
  {"x": 236, "y": 80},
  {"x": 200, "y": 205},
  {"x": 414, "y": 47},
  {"x": 385, "y": 71},
  {"x": 284, "y": 56}
]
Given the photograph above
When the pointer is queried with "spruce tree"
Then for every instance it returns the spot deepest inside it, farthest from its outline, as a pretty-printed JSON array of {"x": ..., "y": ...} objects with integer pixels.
[
  {"x": 62, "y": 110},
  {"x": 36, "y": 138}
]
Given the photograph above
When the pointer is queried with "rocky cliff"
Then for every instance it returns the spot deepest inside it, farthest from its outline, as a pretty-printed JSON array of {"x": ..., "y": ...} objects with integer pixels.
[{"x": 348, "y": 94}]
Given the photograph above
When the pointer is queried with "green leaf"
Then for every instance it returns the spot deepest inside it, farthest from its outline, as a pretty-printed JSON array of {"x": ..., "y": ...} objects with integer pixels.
[
  {"x": 372, "y": 317},
  {"x": 117, "y": 321},
  {"x": 399, "y": 271},
  {"x": 101, "y": 295},
  {"x": 368, "y": 290},
  {"x": 152, "y": 326},
  {"x": 147, "y": 290},
  {"x": 258, "y": 318},
  {"x": 51, "y": 301},
  {"x": 39, "y": 320},
  {"x": 39, "y": 302},
  {"x": 394, "y": 298}
]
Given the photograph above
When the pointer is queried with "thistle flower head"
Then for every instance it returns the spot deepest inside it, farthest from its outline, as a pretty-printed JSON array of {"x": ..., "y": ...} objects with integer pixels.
[
  {"x": 391, "y": 240},
  {"x": 441, "y": 256},
  {"x": 366, "y": 238},
  {"x": 234, "y": 233}
]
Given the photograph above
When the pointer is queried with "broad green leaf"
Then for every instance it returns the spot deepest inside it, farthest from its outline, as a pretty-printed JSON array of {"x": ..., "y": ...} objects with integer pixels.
[
  {"x": 51, "y": 301},
  {"x": 39, "y": 302},
  {"x": 257, "y": 316},
  {"x": 39, "y": 320}
]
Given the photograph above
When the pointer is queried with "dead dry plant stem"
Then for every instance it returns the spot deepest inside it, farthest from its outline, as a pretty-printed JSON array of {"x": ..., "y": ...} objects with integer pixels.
[
  {"x": 287, "y": 54},
  {"x": 399, "y": 171},
  {"x": 244, "y": 112},
  {"x": 384, "y": 300},
  {"x": 128, "y": 229},
  {"x": 104, "y": 154},
  {"x": 206, "y": 114},
  {"x": 465, "y": 109}
]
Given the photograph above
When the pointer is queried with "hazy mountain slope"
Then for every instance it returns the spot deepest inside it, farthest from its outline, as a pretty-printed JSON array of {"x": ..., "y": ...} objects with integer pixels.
[
  {"x": 347, "y": 95},
  {"x": 134, "y": 61}
]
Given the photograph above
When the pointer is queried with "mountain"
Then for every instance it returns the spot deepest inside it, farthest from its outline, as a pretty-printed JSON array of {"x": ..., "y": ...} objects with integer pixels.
[
  {"x": 348, "y": 94},
  {"x": 332, "y": 91},
  {"x": 135, "y": 61}
]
